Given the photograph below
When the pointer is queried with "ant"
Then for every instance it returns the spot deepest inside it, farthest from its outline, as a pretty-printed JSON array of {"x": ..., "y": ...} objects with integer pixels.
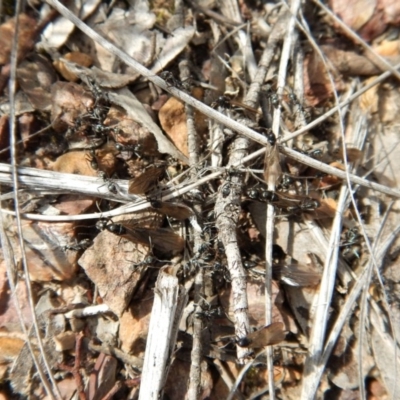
[
  {"x": 81, "y": 245},
  {"x": 136, "y": 149}
]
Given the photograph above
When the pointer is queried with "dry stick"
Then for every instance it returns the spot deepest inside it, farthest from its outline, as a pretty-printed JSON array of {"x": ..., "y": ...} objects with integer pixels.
[
  {"x": 325, "y": 294},
  {"x": 227, "y": 210},
  {"x": 196, "y": 353},
  {"x": 310, "y": 384},
  {"x": 298, "y": 86},
  {"x": 32, "y": 177},
  {"x": 8, "y": 256},
  {"x": 230, "y": 9},
  {"x": 133, "y": 361},
  {"x": 288, "y": 43},
  {"x": 346, "y": 308},
  {"x": 14, "y": 172},
  {"x": 274, "y": 38},
  {"x": 161, "y": 335},
  {"x": 319, "y": 327}
]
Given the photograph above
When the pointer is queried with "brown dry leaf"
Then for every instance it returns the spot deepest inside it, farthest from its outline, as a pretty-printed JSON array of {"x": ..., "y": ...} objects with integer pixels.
[
  {"x": 173, "y": 120},
  {"x": 36, "y": 78},
  {"x": 74, "y": 162},
  {"x": 64, "y": 341},
  {"x": 134, "y": 324},
  {"x": 9, "y": 317},
  {"x": 391, "y": 9},
  {"x": 355, "y": 14},
  {"x": 389, "y": 104},
  {"x": 135, "y": 110},
  {"x": 366, "y": 17},
  {"x": 102, "y": 377},
  {"x": 327, "y": 209},
  {"x": 116, "y": 285},
  {"x": 69, "y": 101},
  {"x": 73, "y": 205},
  {"x": 376, "y": 390},
  {"x": 388, "y": 48},
  {"x": 58, "y": 264},
  {"x": 349, "y": 63},
  {"x": 67, "y": 387},
  {"x": 27, "y": 125},
  {"x": 369, "y": 100},
  {"x": 4, "y": 133},
  {"x": 317, "y": 87},
  {"x": 10, "y": 347},
  {"x": 7, "y": 31},
  {"x": 131, "y": 132},
  {"x": 76, "y": 57},
  {"x": 79, "y": 162}
]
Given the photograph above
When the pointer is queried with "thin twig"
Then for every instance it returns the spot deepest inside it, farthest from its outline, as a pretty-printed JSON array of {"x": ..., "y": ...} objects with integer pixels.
[
  {"x": 197, "y": 347},
  {"x": 54, "y": 391},
  {"x": 288, "y": 43}
]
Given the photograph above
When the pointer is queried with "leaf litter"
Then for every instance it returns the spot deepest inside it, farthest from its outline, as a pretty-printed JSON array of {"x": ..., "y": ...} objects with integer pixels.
[{"x": 81, "y": 110}]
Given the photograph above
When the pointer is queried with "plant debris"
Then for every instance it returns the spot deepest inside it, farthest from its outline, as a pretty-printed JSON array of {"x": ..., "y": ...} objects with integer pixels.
[{"x": 203, "y": 200}]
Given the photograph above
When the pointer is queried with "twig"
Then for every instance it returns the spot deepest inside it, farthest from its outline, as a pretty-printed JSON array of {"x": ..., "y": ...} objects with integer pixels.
[
  {"x": 227, "y": 214},
  {"x": 54, "y": 391},
  {"x": 274, "y": 38},
  {"x": 134, "y": 362},
  {"x": 197, "y": 348},
  {"x": 161, "y": 337},
  {"x": 319, "y": 326},
  {"x": 226, "y": 377},
  {"x": 272, "y": 180},
  {"x": 346, "y": 308},
  {"x": 75, "y": 369}
]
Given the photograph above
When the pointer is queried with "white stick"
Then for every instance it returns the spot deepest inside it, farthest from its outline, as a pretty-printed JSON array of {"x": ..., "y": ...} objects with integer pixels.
[{"x": 159, "y": 344}]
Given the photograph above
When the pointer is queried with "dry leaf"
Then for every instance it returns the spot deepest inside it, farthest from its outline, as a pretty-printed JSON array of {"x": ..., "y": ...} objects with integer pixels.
[
  {"x": 76, "y": 57},
  {"x": 115, "y": 285},
  {"x": 317, "y": 87},
  {"x": 7, "y": 31},
  {"x": 10, "y": 347},
  {"x": 173, "y": 120},
  {"x": 349, "y": 63},
  {"x": 69, "y": 101},
  {"x": 136, "y": 111},
  {"x": 388, "y": 48},
  {"x": 369, "y": 100},
  {"x": 355, "y": 14},
  {"x": 36, "y": 78}
]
